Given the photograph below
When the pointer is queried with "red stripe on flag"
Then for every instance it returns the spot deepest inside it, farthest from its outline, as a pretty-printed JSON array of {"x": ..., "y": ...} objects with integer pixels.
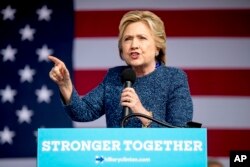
[
  {"x": 233, "y": 82},
  {"x": 201, "y": 81},
  {"x": 179, "y": 23},
  {"x": 221, "y": 141},
  {"x": 85, "y": 80}
]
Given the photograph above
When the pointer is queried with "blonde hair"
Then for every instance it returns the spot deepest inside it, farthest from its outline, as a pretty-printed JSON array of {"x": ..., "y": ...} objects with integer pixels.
[
  {"x": 214, "y": 162},
  {"x": 154, "y": 23}
]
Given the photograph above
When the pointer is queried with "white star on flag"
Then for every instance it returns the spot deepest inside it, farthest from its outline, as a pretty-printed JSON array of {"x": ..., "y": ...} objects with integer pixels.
[
  {"x": 6, "y": 136},
  {"x": 35, "y": 132},
  {"x": 8, "y": 53},
  {"x": 24, "y": 115},
  {"x": 26, "y": 74},
  {"x": 8, "y": 94},
  {"x": 44, "y": 13},
  {"x": 43, "y": 94},
  {"x": 8, "y": 13},
  {"x": 27, "y": 33},
  {"x": 43, "y": 53}
]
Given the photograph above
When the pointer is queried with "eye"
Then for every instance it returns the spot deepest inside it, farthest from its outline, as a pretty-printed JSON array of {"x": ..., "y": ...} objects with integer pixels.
[
  {"x": 127, "y": 38},
  {"x": 142, "y": 37}
]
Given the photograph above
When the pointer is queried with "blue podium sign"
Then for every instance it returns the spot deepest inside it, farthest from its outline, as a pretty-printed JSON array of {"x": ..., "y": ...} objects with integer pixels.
[{"x": 107, "y": 147}]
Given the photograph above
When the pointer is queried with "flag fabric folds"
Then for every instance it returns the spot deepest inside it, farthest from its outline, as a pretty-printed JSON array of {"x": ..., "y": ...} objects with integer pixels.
[{"x": 29, "y": 32}]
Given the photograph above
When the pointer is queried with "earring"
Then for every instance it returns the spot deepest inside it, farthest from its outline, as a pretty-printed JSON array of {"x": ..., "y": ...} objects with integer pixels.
[{"x": 156, "y": 53}]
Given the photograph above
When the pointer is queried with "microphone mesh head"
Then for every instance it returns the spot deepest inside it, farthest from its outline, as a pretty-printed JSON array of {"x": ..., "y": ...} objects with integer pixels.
[{"x": 128, "y": 75}]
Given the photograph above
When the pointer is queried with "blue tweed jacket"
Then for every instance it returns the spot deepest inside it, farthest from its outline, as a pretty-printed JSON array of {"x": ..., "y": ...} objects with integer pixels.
[{"x": 165, "y": 92}]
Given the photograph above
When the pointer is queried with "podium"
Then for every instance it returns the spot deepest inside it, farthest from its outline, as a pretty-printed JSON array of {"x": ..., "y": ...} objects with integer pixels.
[{"x": 122, "y": 147}]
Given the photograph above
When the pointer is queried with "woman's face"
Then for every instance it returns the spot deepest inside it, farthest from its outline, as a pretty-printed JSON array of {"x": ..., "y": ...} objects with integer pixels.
[{"x": 138, "y": 46}]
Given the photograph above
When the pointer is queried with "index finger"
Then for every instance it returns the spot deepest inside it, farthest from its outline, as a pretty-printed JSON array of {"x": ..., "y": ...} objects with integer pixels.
[{"x": 55, "y": 60}]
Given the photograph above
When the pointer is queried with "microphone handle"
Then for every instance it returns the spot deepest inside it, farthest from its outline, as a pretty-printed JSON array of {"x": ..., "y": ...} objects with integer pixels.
[
  {"x": 126, "y": 110},
  {"x": 127, "y": 84}
]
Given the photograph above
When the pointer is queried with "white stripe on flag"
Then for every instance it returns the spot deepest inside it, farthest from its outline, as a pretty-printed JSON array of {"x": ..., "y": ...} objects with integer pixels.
[
  {"x": 87, "y": 5},
  {"x": 102, "y": 53},
  {"x": 222, "y": 112}
]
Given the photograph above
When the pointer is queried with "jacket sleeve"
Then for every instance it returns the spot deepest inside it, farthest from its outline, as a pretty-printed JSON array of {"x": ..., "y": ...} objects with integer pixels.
[
  {"x": 89, "y": 107},
  {"x": 180, "y": 105}
]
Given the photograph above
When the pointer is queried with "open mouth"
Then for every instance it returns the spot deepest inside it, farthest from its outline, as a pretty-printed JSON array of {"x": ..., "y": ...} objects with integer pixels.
[{"x": 134, "y": 55}]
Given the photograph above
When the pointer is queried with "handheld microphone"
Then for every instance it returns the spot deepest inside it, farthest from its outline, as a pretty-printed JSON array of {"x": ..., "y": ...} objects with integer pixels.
[{"x": 128, "y": 78}]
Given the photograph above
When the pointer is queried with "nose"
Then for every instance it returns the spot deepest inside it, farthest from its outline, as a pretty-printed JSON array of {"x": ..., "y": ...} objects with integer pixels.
[{"x": 135, "y": 44}]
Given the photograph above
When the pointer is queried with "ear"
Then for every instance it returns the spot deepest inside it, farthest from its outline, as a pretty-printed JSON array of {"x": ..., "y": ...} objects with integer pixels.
[{"x": 121, "y": 55}]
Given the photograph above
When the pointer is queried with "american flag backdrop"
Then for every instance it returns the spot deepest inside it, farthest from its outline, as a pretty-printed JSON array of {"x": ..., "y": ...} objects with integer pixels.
[
  {"x": 28, "y": 98},
  {"x": 209, "y": 39}
]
